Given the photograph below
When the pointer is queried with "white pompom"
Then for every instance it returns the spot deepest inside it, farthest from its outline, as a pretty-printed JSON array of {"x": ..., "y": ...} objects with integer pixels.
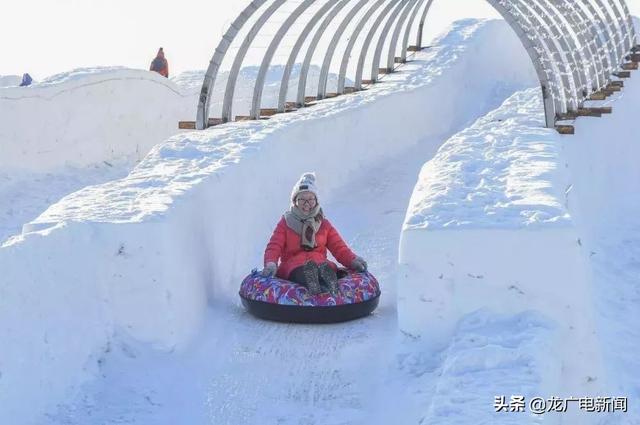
[{"x": 309, "y": 177}]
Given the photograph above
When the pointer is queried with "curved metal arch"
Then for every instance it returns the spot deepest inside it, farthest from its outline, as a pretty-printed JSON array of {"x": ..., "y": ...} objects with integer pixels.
[
  {"x": 421, "y": 25},
  {"x": 393, "y": 45},
  {"x": 227, "y": 104},
  {"x": 590, "y": 58},
  {"x": 602, "y": 17},
  {"x": 558, "y": 80},
  {"x": 367, "y": 41},
  {"x": 375, "y": 65},
  {"x": 202, "y": 116},
  {"x": 558, "y": 51},
  {"x": 271, "y": 50},
  {"x": 352, "y": 41},
  {"x": 302, "y": 82},
  {"x": 284, "y": 82},
  {"x": 567, "y": 47},
  {"x": 574, "y": 45},
  {"x": 546, "y": 63},
  {"x": 620, "y": 24},
  {"x": 534, "y": 55},
  {"x": 586, "y": 67},
  {"x": 333, "y": 44},
  {"x": 587, "y": 38},
  {"x": 630, "y": 25},
  {"x": 607, "y": 52},
  {"x": 407, "y": 31}
]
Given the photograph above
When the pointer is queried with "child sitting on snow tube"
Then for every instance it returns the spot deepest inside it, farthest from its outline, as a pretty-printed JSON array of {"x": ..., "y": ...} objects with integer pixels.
[{"x": 300, "y": 241}]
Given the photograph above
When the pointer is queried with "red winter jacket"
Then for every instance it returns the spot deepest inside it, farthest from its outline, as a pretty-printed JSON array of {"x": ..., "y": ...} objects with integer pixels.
[{"x": 285, "y": 245}]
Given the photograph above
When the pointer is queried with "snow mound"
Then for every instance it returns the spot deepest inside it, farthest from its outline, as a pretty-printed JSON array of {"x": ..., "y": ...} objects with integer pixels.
[
  {"x": 87, "y": 116},
  {"x": 10, "y": 80},
  {"x": 191, "y": 219},
  {"x": 504, "y": 220},
  {"x": 501, "y": 172}
]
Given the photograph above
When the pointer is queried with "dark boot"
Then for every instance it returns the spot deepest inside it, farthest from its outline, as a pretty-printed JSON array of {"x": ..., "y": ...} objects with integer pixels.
[
  {"x": 312, "y": 278},
  {"x": 329, "y": 277}
]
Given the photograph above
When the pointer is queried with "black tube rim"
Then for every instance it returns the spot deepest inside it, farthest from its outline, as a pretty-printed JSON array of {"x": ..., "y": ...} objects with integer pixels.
[{"x": 310, "y": 314}]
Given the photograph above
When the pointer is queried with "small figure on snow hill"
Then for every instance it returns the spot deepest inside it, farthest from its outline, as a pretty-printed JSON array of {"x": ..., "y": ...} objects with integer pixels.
[
  {"x": 301, "y": 240},
  {"x": 160, "y": 64},
  {"x": 26, "y": 80}
]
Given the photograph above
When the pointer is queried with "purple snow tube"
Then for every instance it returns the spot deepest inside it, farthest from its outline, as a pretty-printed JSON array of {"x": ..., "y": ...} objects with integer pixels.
[{"x": 280, "y": 300}]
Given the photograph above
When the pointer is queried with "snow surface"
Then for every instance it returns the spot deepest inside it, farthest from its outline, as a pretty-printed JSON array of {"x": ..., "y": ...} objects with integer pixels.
[
  {"x": 511, "y": 219},
  {"x": 10, "y": 80},
  {"x": 87, "y": 116},
  {"x": 119, "y": 302},
  {"x": 488, "y": 228},
  {"x": 148, "y": 248},
  {"x": 94, "y": 124}
]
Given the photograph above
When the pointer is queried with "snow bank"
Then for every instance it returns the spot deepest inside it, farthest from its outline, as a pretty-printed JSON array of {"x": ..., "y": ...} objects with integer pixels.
[
  {"x": 88, "y": 116},
  {"x": 603, "y": 160},
  {"x": 193, "y": 216},
  {"x": 10, "y": 80},
  {"x": 493, "y": 225}
]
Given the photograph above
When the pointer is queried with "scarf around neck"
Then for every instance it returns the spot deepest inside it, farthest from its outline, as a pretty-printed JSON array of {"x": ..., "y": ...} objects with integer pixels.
[{"x": 305, "y": 225}]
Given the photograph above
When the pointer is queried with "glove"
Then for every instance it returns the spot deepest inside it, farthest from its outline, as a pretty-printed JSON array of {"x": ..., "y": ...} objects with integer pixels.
[
  {"x": 359, "y": 265},
  {"x": 269, "y": 270}
]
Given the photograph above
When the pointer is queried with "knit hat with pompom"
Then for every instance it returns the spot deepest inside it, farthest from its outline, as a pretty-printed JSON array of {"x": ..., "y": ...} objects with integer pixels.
[{"x": 306, "y": 183}]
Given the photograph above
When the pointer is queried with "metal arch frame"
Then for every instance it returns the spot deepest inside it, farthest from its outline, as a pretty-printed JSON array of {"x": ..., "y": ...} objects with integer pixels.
[
  {"x": 284, "y": 83},
  {"x": 560, "y": 99},
  {"x": 534, "y": 55},
  {"x": 333, "y": 44},
  {"x": 588, "y": 38},
  {"x": 367, "y": 41},
  {"x": 375, "y": 65},
  {"x": 566, "y": 47},
  {"x": 393, "y": 45},
  {"x": 204, "y": 101},
  {"x": 421, "y": 25},
  {"x": 583, "y": 63},
  {"x": 352, "y": 41},
  {"x": 608, "y": 52},
  {"x": 227, "y": 104},
  {"x": 558, "y": 50},
  {"x": 575, "y": 46},
  {"x": 563, "y": 88},
  {"x": 630, "y": 25},
  {"x": 302, "y": 81},
  {"x": 271, "y": 50},
  {"x": 619, "y": 23},
  {"x": 602, "y": 16},
  {"x": 407, "y": 31},
  {"x": 590, "y": 57}
]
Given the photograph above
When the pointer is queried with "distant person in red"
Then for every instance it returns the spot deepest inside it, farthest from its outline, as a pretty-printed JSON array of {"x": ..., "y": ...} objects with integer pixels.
[{"x": 160, "y": 64}]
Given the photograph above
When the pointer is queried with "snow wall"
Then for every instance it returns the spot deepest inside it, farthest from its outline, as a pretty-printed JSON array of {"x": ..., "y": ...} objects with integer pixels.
[
  {"x": 143, "y": 254},
  {"x": 501, "y": 220},
  {"x": 90, "y": 115},
  {"x": 87, "y": 116},
  {"x": 10, "y": 80}
]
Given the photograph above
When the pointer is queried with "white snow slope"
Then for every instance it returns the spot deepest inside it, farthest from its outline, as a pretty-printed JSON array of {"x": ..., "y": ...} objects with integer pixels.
[
  {"x": 9, "y": 80},
  {"x": 140, "y": 256},
  {"x": 112, "y": 324},
  {"x": 87, "y": 116},
  {"x": 93, "y": 125},
  {"x": 522, "y": 223}
]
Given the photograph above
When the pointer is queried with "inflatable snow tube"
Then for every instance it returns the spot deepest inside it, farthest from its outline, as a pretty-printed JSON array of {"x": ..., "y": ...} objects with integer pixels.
[{"x": 280, "y": 300}]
